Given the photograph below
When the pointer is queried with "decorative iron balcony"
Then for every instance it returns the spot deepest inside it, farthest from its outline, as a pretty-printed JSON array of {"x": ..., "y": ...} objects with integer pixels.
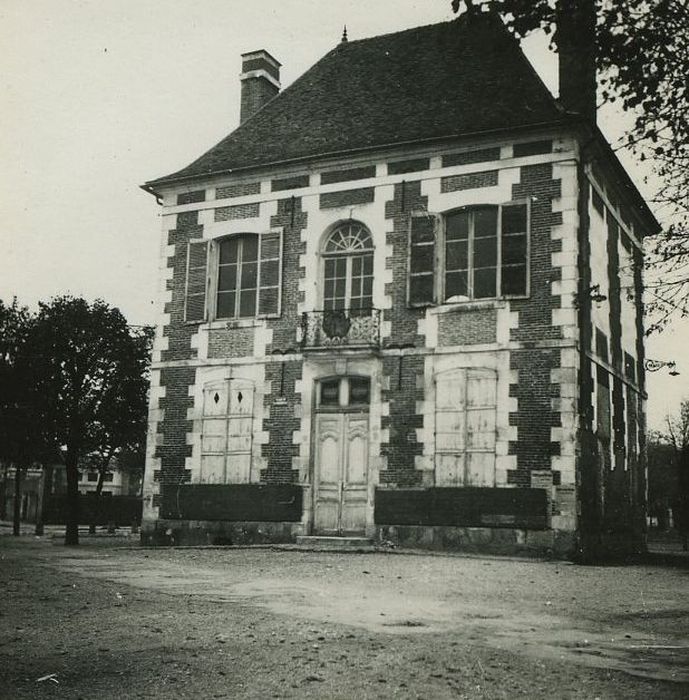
[{"x": 351, "y": 328}]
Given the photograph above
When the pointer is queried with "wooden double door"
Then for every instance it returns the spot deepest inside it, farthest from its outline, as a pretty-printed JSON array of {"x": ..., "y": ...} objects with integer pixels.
[{"x": 341, "y": 460}]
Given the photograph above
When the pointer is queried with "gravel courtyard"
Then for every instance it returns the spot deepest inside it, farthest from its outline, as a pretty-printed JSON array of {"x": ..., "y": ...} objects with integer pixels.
[{"x": 108, "y": 621}]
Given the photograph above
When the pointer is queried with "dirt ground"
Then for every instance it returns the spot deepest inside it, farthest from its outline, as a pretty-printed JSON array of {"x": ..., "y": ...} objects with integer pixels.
[{"x": 108, "y": 621}]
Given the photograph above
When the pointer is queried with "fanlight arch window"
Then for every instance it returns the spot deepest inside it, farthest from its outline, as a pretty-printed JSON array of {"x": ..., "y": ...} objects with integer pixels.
[{"x": 348, "y": 269}]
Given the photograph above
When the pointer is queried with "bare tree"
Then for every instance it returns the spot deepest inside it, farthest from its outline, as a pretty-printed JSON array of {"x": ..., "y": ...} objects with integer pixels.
[{"x": 678, "y": 437}]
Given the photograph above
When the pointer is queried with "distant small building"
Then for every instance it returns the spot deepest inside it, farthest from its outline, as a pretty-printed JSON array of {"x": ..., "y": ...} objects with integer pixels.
[{"x": 402, "y": 300}]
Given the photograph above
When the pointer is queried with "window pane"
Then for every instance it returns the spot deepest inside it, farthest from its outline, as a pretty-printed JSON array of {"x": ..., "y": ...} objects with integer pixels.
[
  {"x": 485, "y": 222},
  {"x": 368, "y": 286},
  {"x": 368, "y": 265},
  {"x": 421, "y": 289},
  {"x": 226, "y": 304},
  {"x": 249, "y": 275},
  {"x": 514, "y": 219},
  {"x": 457, "y": 226},
  {"x": 356, "y": 266},
  {"x": 514, "y": 280},
  {"x": 513, "y": 250},
  {"x": 422, "y": 258},
  {"x": 359, "y": 390},
  {"x": 485, "y": 252},
  {"x": 227, "y": 278},
  {"x": 330, "y": 392},
  {"x": 247, "y": 303},
  {"x": 228, "y": 251},
  {"x": 484, "y": 283},
  {"x": 329, "y": 267},
  {"x": 249, "y": 248},
  {"x": 457, "y": 255},
  {"x": 456, "y": 284}
]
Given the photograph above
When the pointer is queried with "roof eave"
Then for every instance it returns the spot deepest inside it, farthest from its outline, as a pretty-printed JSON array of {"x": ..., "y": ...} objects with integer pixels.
[{"x": 173, "y": 180}]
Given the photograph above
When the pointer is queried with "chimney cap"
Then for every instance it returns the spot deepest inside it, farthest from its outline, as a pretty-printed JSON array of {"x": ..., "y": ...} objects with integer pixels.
[{"x": 261, "y": 53}]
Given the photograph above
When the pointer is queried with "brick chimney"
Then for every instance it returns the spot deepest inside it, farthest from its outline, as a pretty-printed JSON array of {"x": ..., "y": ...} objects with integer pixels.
[
  {"x": 576, "y": 44},
  {"x": 260, "y": 81}
]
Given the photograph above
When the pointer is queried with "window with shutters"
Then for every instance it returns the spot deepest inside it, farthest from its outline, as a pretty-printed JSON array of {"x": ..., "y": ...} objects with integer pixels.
[
  {"x": 471, "y": 253},
  {"x": 465, "y": 427},
  {"x": 237, "y": 277}
]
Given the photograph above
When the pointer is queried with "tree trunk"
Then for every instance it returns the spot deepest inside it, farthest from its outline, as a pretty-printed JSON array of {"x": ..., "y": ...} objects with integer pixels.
[
  {"x": 72, "y": 529},
  {"x": 16, "y": 528},
  {"x": 3, "y": 494},
  {"x": 96, "y": 501},
  {"x": 42, "y": 486}
]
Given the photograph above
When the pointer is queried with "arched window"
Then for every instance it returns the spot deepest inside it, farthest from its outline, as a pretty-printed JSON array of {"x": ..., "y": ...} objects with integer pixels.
[{"x": 348, "y": 269}]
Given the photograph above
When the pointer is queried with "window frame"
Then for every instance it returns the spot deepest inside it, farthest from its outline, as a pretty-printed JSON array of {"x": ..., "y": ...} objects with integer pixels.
[
  {"x": 440, "y": 254},
  {"x": 213, "y": 277},
  {"x": 325, "y": 255}
]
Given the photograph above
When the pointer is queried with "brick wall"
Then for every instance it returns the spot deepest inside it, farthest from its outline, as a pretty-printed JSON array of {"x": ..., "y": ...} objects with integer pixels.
[
  {"x": 230, "y": 342},
  {"x": 173, "y": 449},
  {"x": 535, "y": 388},
  {"x": 457, "y": 183},
  {"x": 283, "y": 409},
  {"x": 468, "y": 328},
  {"x": 402, "y": 388}
]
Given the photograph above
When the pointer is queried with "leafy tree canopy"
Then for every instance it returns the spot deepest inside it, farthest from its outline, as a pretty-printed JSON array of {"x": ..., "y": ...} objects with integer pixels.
[
  {"x": 90, "y": 371},
  {"x": 642, "y": 54}
]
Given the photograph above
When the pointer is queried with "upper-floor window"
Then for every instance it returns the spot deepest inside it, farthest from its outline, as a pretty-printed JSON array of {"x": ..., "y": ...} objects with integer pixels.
[
  {"x": 348, "y": 269},
  {"x": 234, "y": 277},
  {"x": 471, "y": 253}
]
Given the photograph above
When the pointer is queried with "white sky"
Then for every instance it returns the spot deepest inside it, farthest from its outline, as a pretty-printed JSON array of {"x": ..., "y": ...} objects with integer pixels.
[{"x": 100, "y": 96}]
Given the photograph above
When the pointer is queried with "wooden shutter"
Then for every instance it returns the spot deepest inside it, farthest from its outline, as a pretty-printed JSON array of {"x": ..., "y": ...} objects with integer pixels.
[
  {"x": 270, "y": 274},
  {"x": 422, "y": 256},
  {"x": 197, "y": 280},
  {"x": 481, "y": 408}
]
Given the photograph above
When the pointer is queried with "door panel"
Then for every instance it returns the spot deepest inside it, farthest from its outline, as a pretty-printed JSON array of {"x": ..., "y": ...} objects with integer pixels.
[
  {"x": 480, "y": 469},
  {"x": 212, "y": 469},
  {"x": 341, "y": 473},
  {"x": 449, "y": 469},
  {"x": 328, "y": 471},
  {"x": 355, "y": 486}
]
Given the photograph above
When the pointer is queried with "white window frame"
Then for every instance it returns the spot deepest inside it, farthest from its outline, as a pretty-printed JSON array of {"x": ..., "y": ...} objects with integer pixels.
[
  {"x": 348, "y": 256},
  {"x": 213, "y": 275},
  {"x": 439, "y": 270}
]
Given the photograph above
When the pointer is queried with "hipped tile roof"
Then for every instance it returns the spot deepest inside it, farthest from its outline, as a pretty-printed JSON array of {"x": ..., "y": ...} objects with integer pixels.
[{"x": 440, "y": 81}]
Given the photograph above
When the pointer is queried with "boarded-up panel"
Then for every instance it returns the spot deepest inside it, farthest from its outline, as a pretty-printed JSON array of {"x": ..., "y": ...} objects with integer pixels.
[
  {"x": 462, "y": 507},
  {"x": 233, "y": 502}
]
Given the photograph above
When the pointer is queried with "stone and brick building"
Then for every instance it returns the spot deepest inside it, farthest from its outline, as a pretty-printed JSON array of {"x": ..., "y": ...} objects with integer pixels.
[{"x": 404, "y": 300}]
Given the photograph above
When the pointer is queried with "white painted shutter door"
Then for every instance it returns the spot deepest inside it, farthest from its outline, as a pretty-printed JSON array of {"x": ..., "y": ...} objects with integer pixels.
[
  {"x": 481, "y": 427},
  {"x": 450, "y": 429},
  {"x": 239, "y": 432}
]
